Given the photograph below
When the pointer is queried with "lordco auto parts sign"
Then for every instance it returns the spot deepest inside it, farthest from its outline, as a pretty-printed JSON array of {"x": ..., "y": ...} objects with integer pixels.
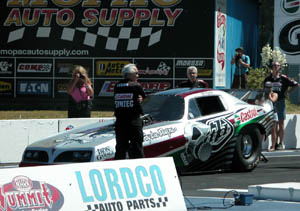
[
  {"x": 140, "y": 184},
  {"x": 287, "y": 28},
  {"x": 94, "y": 28}
]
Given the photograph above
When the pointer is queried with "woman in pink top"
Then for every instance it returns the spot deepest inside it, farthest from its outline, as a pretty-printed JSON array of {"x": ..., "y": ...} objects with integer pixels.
[{"x": 80, "y": 90}]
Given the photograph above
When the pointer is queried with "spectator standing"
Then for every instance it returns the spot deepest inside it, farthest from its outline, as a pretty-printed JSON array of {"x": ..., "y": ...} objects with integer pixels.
[
  {"x": 80, "y": 90},
  {"x": 280, "y": 85},
  {"x": 242, "y": 64},
  {"x": 193, "y": 81},
  {"x": 128, "y": 95}
]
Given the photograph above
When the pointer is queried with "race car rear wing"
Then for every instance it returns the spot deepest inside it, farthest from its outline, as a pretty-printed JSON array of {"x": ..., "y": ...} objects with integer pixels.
[{"x": 251, "y": 96}]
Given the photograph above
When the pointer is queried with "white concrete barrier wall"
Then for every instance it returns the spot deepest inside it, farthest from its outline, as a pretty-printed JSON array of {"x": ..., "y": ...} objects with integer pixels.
[
  {"x": 15, "y": 135},
  {"x": 292, "y": 133}
]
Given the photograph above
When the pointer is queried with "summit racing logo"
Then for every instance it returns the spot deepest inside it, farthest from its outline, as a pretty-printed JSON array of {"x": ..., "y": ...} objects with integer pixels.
[
  {"x": 34, "y": 68},
  {"x": 24, "y": 194},
  {"x": 290, "y": 7}
]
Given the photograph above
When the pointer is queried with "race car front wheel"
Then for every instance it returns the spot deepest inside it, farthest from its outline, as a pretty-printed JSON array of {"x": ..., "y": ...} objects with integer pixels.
[{"x": 248, "y": 149}]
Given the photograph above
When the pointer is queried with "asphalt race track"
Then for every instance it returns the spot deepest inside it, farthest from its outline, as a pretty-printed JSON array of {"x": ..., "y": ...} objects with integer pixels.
[
  {"x": 214, "y": 191},
  {"x": 207, "y": 191}
]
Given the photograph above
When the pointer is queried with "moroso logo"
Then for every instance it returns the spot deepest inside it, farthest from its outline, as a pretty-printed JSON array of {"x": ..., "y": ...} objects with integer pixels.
[
  {"x": 290, "y": 7},
  {"x": 34, "y": 68},
  {"x": 24, "y": 194},
  {"x": 110, "y": 68},
  {"x": 5, "y": 86},
  {"x": 250, "y": 114},
  {"x": 190, "y": 62}
]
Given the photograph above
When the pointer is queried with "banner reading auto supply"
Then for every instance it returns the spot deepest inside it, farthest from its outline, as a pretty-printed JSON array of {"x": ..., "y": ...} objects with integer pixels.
[{"x": 116, "y": 28}]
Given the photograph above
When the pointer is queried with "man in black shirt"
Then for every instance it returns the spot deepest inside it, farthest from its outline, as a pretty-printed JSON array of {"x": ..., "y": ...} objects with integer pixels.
[
  {"x": 280, "y": 85},
  {"x": 128, "y": 94},
  {"x": 193, "y": 81}
]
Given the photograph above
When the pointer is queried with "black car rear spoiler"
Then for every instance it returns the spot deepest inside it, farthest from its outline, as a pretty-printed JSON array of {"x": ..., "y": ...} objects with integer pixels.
[{"x": 251, "y": 96}]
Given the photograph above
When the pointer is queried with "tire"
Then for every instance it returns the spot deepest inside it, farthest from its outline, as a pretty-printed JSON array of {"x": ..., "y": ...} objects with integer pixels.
[{"x": 247, "y": 150}]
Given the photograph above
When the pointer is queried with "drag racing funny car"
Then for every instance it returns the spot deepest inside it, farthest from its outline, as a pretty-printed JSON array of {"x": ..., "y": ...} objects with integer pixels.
[{"x": 202, "y": 129}]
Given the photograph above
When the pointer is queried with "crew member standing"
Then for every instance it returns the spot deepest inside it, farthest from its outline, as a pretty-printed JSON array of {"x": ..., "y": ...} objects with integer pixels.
[
  {"x": 193, "y": 81},
  {"x": 128, "y": 95}
]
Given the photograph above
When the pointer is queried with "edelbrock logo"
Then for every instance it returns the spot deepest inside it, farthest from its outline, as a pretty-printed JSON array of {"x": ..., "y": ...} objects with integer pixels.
[
  {"x": 24, "y": 194},
  {"x": 290, "y": 7}
]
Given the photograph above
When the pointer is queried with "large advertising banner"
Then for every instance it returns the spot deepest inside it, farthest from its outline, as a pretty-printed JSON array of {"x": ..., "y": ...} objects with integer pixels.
[
  {"x": 220, "y": 43},
  {"x": 287, "y": 28},
  {"x": 116, "y": 28},
  {"x": 140, "y": 184}
]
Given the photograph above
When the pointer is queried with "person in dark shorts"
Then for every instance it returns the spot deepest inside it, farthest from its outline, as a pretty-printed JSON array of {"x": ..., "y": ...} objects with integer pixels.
[
  {"x": 193, "y": 81},
  {"x": 281, "y": 85},
  {"x": 128, "y": 95}
]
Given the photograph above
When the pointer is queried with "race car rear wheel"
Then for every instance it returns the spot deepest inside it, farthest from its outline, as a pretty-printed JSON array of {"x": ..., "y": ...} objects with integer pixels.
[{"x": 248, "y": 149}]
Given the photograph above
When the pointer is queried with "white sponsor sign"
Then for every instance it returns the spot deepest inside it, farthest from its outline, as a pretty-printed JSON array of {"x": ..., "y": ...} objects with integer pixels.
[
  {"x": 220, "y": 43},
  {"x": 140, "y": 184},
  {"x": 287, "y": 29}
]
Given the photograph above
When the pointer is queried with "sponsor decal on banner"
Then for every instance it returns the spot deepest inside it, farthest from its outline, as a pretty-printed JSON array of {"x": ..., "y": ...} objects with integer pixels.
[
  {"x": 190, "y": 62},
  {"x": 110, "y": 68},
  {"x": 6, "y": 67},
  {"x": 34, "y": 68},
  {"x": 5, "y": 86},
  {"x": 25, "y": 194},
  {"x": 204, "y": 66},
  {"x": 65, "y": 68},
  {"x": 162, "y": 70},
  {"x": 142, "y": 188},
  {"x": 62, "y": 87},
  {"x": 108, "y": 87},
  {"x": 34, "y": 87}
]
